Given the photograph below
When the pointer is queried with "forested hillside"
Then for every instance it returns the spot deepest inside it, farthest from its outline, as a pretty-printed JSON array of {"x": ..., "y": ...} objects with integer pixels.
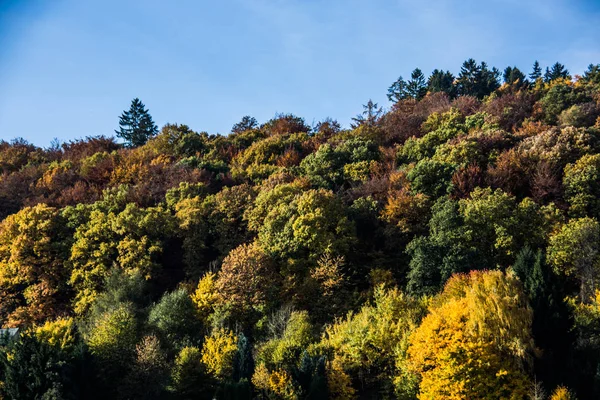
[{"x": 446, "y": 248}]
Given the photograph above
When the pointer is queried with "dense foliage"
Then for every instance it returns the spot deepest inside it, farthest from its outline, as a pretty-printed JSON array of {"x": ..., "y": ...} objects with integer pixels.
[{"x": 446, "y": 248}]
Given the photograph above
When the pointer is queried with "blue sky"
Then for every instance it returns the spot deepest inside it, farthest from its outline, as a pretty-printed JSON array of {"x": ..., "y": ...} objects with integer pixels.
[{"x": 68, "y": 68}]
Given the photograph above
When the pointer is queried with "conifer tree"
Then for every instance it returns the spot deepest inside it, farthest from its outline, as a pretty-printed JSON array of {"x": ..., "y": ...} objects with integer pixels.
[
  {"x": 136, "y": 125},
  {"x": 441, "y": 81},
  {"x": 417, "y": 86},
  {"x": 557, "y": 71},
  {"x": 537, "y": 71}
]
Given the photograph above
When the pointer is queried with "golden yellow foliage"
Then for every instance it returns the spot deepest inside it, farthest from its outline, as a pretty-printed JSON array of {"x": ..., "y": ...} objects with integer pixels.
[
  {"x": 277, "y": 384},
  {"x": 205, "y": 297},
  {"x": 475, "y": 341},
  {"x": 60, "y": 332},
  {"x": 218, "y": 351},
  {"x": 562, "y": 393}
]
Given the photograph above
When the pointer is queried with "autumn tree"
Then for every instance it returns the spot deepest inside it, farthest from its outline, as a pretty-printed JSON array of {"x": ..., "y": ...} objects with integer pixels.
[
  {"x": 476, "y": 339},
  {"x": 370, "y": 346},
  {"x": 246, "y": 281},
  {"x": 34, "y": 247}
]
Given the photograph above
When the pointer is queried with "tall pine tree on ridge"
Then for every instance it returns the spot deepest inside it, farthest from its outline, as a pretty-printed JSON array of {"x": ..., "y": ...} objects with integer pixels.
[{"x": 136, "y": 125}]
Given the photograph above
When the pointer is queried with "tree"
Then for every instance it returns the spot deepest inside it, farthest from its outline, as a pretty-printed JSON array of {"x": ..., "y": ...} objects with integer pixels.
[
  {"x": 370, "y": 345},
  {"x": 513, "y": 75},
  {"x": 398, "y": 90},
  {"x": 369, "y": 117},
  {"x": 476, "y": 339},
  {"x": 34, "y": 369},
  {"x": 441, "y": 81},
  {"x": 477, "y": 80},
  {"x": 582, "y": 186},
  {"x": 218, "y": 353},
  {"x": 557, "y": 71},
  {"x": 417, "y": 86},
  {"x": 592, "y": 74},
  {"x": 112, "y": 339},
  {"x": 149, "y": 372},
  {"x": 174, "y": 319},
  {"x": 574, "y": 250},
  {"x": 536, "y": 73},
  {"x": 189, "y": 376},
  {"x": 245, "y": 124},
  {"x": 246, "y": 281},
  {"x": 431, "y": 177},
  {"x": 34, "y": 247},
  {"x": 136, "y": 125}
]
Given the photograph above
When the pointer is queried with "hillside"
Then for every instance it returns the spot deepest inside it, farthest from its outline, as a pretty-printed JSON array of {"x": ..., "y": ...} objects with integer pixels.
[{"x": 448, "y": 247}]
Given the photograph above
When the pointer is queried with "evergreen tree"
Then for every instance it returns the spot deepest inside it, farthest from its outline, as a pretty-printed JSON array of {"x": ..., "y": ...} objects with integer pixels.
[
  {"x": 477, "y": 80},
  {"x": 369, "y": 117},
  {"x": 557, "y": 71},
  {"x": 441, "y": 81},
  {"x": 136, "y": 125},
  {"x": 513, "y": 75},
  {"x": 592, "y": 74},
  {"x": 245, "y": 124},
  {"x": 536, "y": 73},
  {"x": 398, "y": 90},
  {"x": 416, "y": 87}
]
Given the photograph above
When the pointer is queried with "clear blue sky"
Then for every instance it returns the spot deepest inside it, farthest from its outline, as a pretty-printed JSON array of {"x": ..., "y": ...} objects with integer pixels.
[{"x": 69, "y": 67}]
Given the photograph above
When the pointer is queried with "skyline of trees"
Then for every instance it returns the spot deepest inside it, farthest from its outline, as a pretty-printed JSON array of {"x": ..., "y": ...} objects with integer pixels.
[{"x": 445, "y": 248}]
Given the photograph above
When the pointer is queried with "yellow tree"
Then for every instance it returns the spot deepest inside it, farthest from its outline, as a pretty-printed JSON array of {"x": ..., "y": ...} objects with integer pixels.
[
  {"x": 476, "y": 341},
  {"x": 33, "y": 250}
]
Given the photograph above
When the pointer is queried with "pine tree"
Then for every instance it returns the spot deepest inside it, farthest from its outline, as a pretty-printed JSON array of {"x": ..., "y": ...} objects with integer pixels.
[
  {"x": 136, "y": 125},
  {"x": 557, "y": 71},
  {"x": 417, "y": 87},
  {"x": 441, "y": 81},
  {"x": 536, "y": 73},
  {"x": 477, "y": 80},
  {"x": 512, "y": 75},
  {"x": 369, "y": 117},
  {"x": 245, "y": 124},
  {"x": 398, "y": 90}
]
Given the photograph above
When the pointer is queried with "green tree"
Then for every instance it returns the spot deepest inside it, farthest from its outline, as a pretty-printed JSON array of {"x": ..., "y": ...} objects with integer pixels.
[
  {"x": 370, "y": 345},
  {"x": 440, "y": 81},
  {"x": 111, "y": 339},
  {"x": 369, "y": 117},
  {"x": 398, "y": 90},
  {"x": 431, "y": 177},
  {"x": 477, "y": 80},
  {"x": 189, "y": 377},
  {"x": 592, "y": 74},
  {"x": 247, "y": 123},
  {"x": 175, "y": 321},
  {"x": 574, "y": 250},
  {"x": 582, "y": 186},
  {"x": 31, "y": 368},
  {"x": 417, "y": 86},
  {"x": 536, "y": 72},
  {"x": 513, "y": 75},
  {"x": 557, "y": 71},
  {"x": 136, "y": 125}
]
